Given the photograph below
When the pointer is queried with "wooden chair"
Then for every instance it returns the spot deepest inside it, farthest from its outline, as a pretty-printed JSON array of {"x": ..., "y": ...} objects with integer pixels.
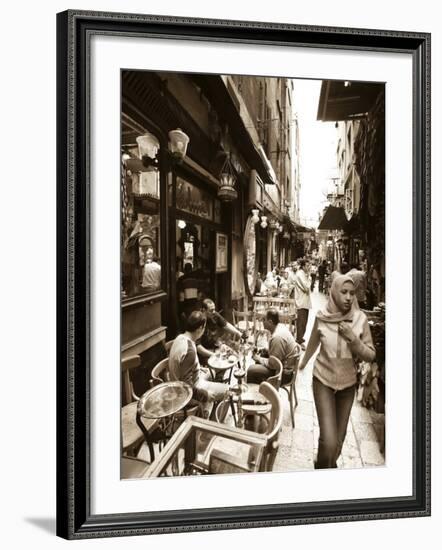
[
  {"x": 168, "y": 345},
  {"x": 131, "y": 435},
  {"x": 290, "y": 386},
  {"x": 240, "y": 456},
  {"x": 242, "y": 320},
  {"x": 160, "y": 373},
  {"x": 258, "y": 411},
  {"x": 274, "y": 426},
  {"x": 286, "y": 308}
]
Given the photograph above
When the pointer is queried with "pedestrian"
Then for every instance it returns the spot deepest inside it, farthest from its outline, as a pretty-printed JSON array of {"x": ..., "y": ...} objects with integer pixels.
[
  {"x": 313, "y": 272},
  {"x": 343, "y": 336},
  {"x": 360, "y": 280},
  {"x": 322, "y": 272},
  {"x": 302, "y": 299},
  {"x": 342, "y": 270}
]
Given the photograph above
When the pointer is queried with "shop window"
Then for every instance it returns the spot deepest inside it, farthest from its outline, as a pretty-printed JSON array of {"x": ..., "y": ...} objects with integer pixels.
[{"x": 140, "y": 231}]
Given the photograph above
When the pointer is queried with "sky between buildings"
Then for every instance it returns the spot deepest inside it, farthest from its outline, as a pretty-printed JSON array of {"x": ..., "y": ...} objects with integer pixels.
[{"x": 317, "y": 144}]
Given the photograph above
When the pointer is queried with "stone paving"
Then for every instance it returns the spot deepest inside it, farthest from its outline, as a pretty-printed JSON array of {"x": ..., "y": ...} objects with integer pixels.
[{"x": 299, "y": 446}]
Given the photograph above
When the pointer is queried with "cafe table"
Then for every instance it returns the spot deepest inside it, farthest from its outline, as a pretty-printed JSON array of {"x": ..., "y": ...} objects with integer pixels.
[
  {"x": 162, "y": 403},
  {"x": 221, "y": 364}
]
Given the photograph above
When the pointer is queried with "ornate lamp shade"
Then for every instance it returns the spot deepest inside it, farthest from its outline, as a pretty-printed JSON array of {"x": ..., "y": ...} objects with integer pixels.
[
  {"x": 178, "y": 142},
  {"x": 286, "y": 235},
  {"x": 255, "y": 215},
  {"x": 226, "y": 190},
  {"x": 263, "y": 222}
]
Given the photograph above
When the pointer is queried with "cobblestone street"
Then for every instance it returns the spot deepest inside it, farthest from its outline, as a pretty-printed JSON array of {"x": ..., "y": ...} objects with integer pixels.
[{"x": 298, "y": 447}]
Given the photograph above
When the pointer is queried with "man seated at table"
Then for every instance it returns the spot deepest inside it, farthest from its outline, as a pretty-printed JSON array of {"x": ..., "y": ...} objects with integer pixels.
[
  {"x": 216, "y": 327},
  {"x": 282, "y": 345},
  {"x": 185, "y": 366}
]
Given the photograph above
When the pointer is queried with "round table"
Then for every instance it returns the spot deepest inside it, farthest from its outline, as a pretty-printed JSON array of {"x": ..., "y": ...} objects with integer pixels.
[
  {"x": 218, "y": 364},
  {"x": 164, "y": 400},
  {"x": 162, "y": 403}
]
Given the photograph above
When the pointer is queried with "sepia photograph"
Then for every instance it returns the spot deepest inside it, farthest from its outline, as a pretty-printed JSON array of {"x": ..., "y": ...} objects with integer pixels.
[{"x": 253, "y": 259}]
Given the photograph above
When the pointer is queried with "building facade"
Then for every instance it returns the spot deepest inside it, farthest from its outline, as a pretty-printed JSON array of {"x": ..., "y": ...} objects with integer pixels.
[
  {"x": 220, "y": 210},
  {"x": 359, "y": 111}
]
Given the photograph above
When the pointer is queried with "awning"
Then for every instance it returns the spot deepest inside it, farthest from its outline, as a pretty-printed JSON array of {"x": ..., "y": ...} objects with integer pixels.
[
  {"x": 334, "y": 218},
  {"x": 344, "y": 100}
]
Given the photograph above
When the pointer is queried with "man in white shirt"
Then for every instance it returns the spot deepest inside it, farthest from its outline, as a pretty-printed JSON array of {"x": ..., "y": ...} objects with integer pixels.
[
  {"x": 302, "y": 299},
  {"x": 151, "y": 275}
]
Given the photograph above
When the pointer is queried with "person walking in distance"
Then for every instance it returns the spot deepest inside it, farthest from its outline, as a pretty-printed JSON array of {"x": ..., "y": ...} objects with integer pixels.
[
  {"x": 322, "y": 272},
  {"x": 302, "y": 299},
  {"x": 342, "y": 334},
  {"x": 360, "y": 280},
  {"x": 313, "y": 272}
]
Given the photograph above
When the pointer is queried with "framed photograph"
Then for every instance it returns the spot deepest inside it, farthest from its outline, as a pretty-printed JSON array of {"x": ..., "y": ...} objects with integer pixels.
[
  {"x": 222, "y": 243},
  {"x": 201, "y": 386}
]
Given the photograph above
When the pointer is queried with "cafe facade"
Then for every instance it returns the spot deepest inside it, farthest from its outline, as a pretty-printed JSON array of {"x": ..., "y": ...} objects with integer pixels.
[{"x": 202, "y": 184}]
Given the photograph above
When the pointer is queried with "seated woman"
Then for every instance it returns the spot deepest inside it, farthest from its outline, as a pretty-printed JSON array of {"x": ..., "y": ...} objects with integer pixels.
[{"x": 184, "y": 364}]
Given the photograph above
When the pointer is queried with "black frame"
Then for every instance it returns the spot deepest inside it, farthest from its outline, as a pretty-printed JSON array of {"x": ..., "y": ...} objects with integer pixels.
[{"x": 74, "y": 29}]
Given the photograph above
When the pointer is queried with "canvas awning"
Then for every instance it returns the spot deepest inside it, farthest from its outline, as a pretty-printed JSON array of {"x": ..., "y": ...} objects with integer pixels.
[
  {"x": 334, "y": 218},
  {"x": 344, "y": 100}
]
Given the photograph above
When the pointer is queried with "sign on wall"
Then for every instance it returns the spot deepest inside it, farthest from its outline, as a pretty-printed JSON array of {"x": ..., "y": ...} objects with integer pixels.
[{"x": 221, "y": 253}]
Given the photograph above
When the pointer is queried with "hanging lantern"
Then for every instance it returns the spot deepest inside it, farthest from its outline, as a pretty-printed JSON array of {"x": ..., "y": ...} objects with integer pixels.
[
  {"x": 227, "y": 191},
  {"x": 286, "y": 235},
  {"x": 263, "y": 222},
  {"x": 255, "y": 215},
  {"x": 272, "y": 223}
]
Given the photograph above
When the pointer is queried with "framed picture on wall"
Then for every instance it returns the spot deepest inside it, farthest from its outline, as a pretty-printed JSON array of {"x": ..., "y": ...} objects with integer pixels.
[
  {"x": 222, "y": 243},
  {"x": 169, "y": 99}
]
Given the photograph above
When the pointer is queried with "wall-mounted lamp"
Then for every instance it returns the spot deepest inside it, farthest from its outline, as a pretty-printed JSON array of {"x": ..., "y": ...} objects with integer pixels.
[
  {"x": 255, "y": 215},
  {"x": 181, "y": 224},
  {"x": 178, "y": 142},
  {"x": 148, "y": 147},
  {"x": 226, "y": 190},
  {"x": 263, "y": 222}
]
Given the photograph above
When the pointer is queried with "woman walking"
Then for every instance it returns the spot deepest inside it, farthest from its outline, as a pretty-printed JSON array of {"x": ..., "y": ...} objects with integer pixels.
[{"x": 343, "y": 336}]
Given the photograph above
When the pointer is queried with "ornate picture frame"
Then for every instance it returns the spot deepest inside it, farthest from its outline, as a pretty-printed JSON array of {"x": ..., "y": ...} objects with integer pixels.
[{"x": 75, "y": 220}]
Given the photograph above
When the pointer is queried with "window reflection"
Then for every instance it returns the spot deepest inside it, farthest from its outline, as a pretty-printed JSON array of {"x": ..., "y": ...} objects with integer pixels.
[{"x": 140, "y": 234}]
